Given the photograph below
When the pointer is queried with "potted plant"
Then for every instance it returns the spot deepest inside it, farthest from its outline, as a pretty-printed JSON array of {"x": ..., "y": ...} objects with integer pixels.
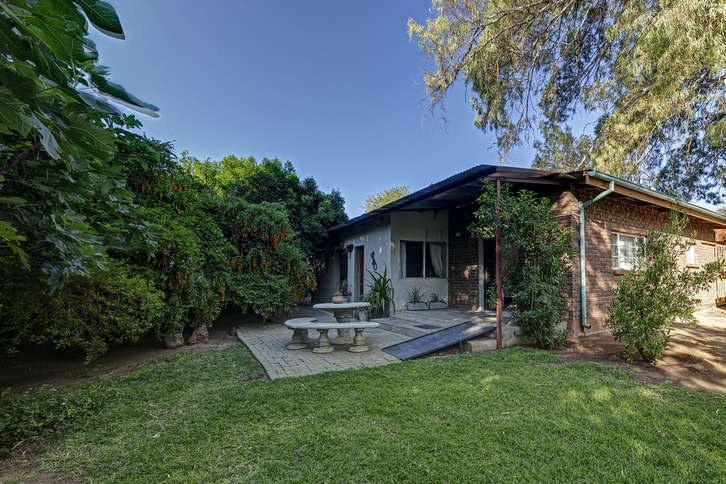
[
  {"x": 362, "y": 314},
  {"x": 338, "y": 297},
  {"x": 415, "y": 299},
  {"x": 436, "y": 302},
  {"x": 379, "y": 295},
  {"x": 344, "y": 290}
]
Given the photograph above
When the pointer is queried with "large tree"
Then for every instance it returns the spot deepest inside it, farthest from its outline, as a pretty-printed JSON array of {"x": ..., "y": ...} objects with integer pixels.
[
  {"x": 59, "y": 189},
  {"x": 311, "y": 212},
  {"x": 650, "y": 75}
]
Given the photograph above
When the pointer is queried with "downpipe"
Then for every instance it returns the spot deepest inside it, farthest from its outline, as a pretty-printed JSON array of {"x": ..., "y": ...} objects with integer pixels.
[{"x": 583, "y": 280}]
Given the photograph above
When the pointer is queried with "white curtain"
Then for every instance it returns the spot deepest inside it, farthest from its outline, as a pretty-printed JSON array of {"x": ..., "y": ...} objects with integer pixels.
[
  {"x": 437, "y": 259},
  {"x": 402, "y": 265}
]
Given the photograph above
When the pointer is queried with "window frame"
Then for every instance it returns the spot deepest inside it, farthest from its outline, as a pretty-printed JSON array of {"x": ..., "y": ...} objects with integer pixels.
[
  {"x": 690, "y": 254},
  {"x": 624, "y": 263},
  {"x": 424, "y": 252}
]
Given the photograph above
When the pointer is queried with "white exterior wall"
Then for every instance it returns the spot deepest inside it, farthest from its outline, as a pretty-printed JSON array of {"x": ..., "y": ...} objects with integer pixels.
[
  {"x": 374, "y": 237},
  {"x": 417, "y": 227}
]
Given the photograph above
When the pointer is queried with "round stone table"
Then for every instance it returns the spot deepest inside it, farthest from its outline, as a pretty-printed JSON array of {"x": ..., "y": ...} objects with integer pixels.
[{"x": 343, "y": 313}]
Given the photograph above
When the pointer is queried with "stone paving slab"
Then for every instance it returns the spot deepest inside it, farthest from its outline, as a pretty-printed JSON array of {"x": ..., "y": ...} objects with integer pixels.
[{"x": 267, "y": 343}]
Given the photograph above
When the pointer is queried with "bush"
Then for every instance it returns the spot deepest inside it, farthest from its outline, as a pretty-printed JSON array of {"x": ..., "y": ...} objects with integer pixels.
[
  {"x": 118, "y": 305},
  {"x": 189, "y": 261},
  {"x": 536, "y": 252},
  {"x": 650, "y": 300},
  {"x": 270, "y": 272}
]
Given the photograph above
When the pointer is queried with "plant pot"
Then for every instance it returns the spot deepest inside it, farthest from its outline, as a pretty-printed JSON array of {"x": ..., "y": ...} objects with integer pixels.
[
  {"x": 363, "y": 315},
  {"x": 416, "y": 306},
  {"x": 438, "y": 305},
  {"x": 338, "y": 299},
  {"x": 377, "y": 314}
]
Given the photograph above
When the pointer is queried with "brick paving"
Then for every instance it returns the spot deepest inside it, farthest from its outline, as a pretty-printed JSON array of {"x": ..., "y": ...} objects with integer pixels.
[{"x": 267, "y": 343}]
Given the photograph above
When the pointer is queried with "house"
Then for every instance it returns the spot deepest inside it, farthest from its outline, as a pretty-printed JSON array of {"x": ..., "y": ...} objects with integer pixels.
[{"x": 423, "y": 241}]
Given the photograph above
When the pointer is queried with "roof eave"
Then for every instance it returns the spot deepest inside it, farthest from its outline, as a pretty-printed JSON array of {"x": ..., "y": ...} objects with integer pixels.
[{"x": 622, "y": 187}]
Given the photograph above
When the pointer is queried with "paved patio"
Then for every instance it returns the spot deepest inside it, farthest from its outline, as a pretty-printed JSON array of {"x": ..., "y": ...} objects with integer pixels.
[{"x": 268, "y": 341}]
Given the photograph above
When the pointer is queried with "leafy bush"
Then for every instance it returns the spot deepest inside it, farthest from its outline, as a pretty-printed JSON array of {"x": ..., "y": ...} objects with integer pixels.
[
  {"x": 28, "y": 416},
  {"x": 113, "y": 306},
  {"x": 188, "y": 257},
  {"x": 270, "y": 272},
  {"x": 650, "y": 300},
  {"x": 536, "y": 252}
]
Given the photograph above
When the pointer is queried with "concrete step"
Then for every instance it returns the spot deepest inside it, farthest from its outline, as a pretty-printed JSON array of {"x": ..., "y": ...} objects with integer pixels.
[
  {"x": 405, "y": 327},
  {"x": 450, "y": 317},
  {"x": 483, "y": 344},
  {"x": 479, "y": 345},
  {"x": 430, "y": 317}
]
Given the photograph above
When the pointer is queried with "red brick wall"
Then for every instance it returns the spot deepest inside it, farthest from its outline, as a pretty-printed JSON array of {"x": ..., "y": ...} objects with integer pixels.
[
  {"x": 463, "y": 260},
  {"x": 626, "y": 216},
  {"x": 567, "y": 210},
  {"x": 611, "y": 214}
]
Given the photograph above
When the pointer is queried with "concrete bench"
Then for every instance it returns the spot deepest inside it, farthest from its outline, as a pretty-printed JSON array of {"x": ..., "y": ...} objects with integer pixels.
[{"x": 300, "y": 326}]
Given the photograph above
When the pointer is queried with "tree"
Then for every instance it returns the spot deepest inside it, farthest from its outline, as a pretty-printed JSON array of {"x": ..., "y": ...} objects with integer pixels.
[
  {"x": 650, "y": 300},
  {"x": 650, "y": 73},
  {"x": 536, "y": 252},
  {"x": 385, "y": 197},
  {"x": 58, "y": 186},
  {"x": 310, "y": 211}
]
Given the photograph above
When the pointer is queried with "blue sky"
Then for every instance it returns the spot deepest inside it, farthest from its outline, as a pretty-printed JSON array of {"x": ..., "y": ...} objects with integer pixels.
[{"x": 331, "y": 86}]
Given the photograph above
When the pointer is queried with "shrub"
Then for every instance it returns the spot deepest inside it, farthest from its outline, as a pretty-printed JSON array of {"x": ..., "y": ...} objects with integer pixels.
[
  {"x": 650, "y": 300},
  {"x": 189, "y": 260},
  {"x": 113, "y": 306},
  {"x": 536, "y": 252},
  {"x": 270, "y": 273}
]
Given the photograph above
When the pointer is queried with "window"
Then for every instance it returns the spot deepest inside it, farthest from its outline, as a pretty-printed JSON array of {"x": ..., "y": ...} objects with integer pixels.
[
  {"x": 422, "y": 259},
  {"x": 625, "y": 250},
  {"x": 690, "y": 254}
]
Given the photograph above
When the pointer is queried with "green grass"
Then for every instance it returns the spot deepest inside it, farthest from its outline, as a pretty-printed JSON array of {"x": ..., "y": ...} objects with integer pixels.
[{"x": 514, "y": 416}]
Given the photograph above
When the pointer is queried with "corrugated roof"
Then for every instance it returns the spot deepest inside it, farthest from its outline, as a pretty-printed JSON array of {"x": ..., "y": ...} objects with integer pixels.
[
  {"x": 457, "y": 190},
  {"x": 465, "y": 187}
]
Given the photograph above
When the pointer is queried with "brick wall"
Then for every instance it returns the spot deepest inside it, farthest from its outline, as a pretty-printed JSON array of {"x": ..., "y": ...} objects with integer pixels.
[
  {"x": 602, "y": 218},
  {"x": 567, "y": 210},
  {"x": 463, "y": 260},
  {"x": 625, "y": 216}
]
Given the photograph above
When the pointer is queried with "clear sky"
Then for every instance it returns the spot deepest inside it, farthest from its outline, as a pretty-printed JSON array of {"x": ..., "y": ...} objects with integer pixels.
[{"x": 333, "y": 86}]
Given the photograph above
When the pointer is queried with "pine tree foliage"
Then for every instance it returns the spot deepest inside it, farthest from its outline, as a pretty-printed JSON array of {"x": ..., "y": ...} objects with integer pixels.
[{"x": 651, "y": 73}]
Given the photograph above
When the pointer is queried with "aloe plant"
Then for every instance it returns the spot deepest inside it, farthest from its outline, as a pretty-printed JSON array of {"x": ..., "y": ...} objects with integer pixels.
[
  {"x": 415, "y": 295},
  {"x": 380, "y": 291}
]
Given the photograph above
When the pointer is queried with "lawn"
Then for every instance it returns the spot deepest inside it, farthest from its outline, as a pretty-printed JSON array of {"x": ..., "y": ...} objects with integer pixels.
[{"x": 513, "y": 416}]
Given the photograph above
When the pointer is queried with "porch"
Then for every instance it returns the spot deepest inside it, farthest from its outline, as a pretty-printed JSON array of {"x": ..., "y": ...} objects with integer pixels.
[{"x": 420, "y": 323}]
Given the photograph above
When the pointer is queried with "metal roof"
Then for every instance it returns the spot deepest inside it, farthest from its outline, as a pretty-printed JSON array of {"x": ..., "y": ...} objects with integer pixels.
[
  {"x": 465, "y": 187},
  {"x": 460, "y": 189}
]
